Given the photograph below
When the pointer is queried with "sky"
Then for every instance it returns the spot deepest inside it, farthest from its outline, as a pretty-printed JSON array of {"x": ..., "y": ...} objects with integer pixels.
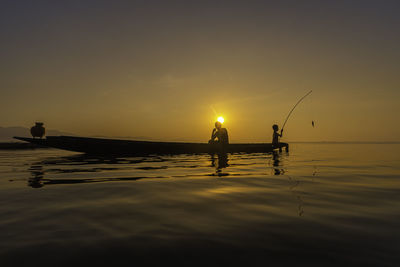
[{"x": 165, "y": 70}]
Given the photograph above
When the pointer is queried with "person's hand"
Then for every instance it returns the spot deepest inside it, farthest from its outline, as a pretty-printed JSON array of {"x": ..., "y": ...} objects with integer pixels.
[
  {"x": 215, "y": 129},
  {"x": 281, "y": 131}
]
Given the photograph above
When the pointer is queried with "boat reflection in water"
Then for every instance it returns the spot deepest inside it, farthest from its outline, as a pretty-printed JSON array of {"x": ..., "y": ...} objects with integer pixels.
[{"x": 83, "y": 168}]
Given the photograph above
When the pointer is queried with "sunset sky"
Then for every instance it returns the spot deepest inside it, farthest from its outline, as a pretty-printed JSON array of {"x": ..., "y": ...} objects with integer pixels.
[{"x": 166, "y": 70}]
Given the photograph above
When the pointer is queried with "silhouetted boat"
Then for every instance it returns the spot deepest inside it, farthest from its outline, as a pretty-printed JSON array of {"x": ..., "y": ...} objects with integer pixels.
[{"x": 128, "y": 147}]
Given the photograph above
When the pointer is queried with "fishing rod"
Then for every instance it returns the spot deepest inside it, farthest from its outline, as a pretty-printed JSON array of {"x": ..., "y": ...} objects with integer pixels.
[{"x": 298, "y": 102}]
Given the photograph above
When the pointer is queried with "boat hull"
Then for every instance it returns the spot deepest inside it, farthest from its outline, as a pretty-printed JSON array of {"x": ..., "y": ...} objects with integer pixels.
[{"x": 129, "y": 147}]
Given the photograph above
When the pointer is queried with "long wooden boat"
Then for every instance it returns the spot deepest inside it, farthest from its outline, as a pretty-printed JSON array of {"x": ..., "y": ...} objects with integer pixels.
[{"x": 129, "y": 147}]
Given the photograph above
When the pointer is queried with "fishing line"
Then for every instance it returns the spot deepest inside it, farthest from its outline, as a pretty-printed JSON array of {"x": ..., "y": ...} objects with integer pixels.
[{"x": 313, "y": 123}]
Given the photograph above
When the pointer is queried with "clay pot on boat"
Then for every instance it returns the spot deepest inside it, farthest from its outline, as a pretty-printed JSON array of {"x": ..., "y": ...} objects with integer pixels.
[{"x": 38, "y": 130}]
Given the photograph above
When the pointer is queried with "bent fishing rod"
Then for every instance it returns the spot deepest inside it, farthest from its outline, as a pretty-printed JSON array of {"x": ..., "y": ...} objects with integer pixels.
[{"x": 298, "y": 102}]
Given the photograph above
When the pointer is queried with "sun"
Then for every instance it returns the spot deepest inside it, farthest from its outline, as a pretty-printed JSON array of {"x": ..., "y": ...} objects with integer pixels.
[{"x": 221, "y": 119}]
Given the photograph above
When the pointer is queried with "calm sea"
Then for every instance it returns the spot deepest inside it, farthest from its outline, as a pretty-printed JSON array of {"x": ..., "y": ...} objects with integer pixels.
[{"x": 319, "y": 205}]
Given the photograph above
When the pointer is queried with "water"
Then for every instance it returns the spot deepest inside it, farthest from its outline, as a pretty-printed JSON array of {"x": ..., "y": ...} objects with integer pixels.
[{"x": 319, "y": 205}]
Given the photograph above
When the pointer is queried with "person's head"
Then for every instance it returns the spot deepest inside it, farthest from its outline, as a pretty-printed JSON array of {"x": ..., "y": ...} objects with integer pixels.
[
  {"x": 275, "y": 127},
  {"x": 218, "y": 125}
]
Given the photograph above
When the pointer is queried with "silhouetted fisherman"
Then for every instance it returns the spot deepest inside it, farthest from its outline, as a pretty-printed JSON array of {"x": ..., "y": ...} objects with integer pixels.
[
  {"x": 219, "y": 133},
  {"x": 276, "y": 135},
  {"x": 275, "y": 139}
]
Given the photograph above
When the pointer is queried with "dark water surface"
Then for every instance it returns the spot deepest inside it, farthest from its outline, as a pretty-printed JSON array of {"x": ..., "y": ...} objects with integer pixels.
[{"x": 319, "y": 205}]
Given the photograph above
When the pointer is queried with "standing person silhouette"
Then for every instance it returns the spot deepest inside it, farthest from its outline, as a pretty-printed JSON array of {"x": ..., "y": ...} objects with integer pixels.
[{"x": 219, "y": 133}]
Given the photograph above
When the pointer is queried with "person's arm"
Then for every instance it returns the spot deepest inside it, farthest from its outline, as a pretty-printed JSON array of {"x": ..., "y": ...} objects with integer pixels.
[
  {"x": 213, "y": 134},
  {"x": 280, "y": 135}
]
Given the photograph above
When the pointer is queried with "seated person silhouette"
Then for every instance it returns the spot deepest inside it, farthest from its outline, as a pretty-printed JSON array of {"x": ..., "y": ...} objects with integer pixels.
[
  {"x": 275, "y": 139},
  {"x": 276, "y": 135},
  {"x": 219, "y": 133}
]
